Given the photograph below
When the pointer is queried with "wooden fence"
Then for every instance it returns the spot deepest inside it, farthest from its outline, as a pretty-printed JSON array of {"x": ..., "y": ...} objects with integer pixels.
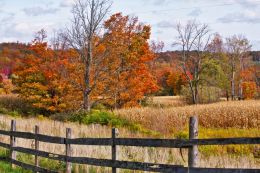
[{"x": 192, "y": 145}]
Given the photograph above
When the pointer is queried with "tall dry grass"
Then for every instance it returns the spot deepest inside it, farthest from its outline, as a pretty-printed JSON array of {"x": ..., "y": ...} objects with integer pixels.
[
  {"x": 168, "y": 101},
  {"x": 55, "y": 128},
  {"x": 236, "y": 114},
  {"x": 154, "y": 155}
]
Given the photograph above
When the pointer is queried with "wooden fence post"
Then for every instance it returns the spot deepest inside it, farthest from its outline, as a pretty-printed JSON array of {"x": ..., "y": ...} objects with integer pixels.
[
  {"x": 12, "y": 143},
  {"x": 68, "y": 150},
  {"x": 36, "y": 147},
  {"x": 193, "y": 134},
  {"x": 114, "y": 134}
]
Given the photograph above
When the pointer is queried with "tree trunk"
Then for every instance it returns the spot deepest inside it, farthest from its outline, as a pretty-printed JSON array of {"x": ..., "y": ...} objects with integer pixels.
[
  {"x": 192, "y": 93},
  {"x": 115, "y": 101},
  {"x": 233, "y": 86},
  {"x": 87, "y": 91},
  {"x": 196, "y": 94},
  {"x": 86, "y": 104},
  {"x": 227, "y": 95},
  {"x": 240, "y": 90}
]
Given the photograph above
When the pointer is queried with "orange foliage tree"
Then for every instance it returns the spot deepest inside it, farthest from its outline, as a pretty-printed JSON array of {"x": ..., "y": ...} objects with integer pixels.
[
  {"x": 176, "y": 80},
  {"x": 39, "y": 78},
  {"x": 52, "y": 79},
  {"x": 127, "y": 61},
  {"x": 249, "y": 89},
  {"x": 249, "y": 86}
]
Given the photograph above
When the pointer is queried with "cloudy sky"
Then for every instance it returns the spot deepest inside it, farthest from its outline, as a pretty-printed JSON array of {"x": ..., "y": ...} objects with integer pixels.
[{"x": 19, "y": 19}]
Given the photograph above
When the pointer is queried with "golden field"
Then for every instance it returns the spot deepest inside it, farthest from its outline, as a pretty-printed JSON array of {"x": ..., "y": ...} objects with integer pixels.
[
  {"x": 167, "y": 120},
  {"x": 223, "y": 119},
  {"x": 154, "y": 155}
]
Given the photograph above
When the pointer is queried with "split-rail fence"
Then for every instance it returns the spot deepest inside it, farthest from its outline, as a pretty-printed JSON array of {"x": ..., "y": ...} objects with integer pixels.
[{"x": 191, "y": 144}]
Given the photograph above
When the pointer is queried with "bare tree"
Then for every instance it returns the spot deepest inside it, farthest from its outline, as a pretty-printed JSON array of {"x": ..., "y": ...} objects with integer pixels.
[
  {"x": 237, "y": 47},
  {"x": 58, "y": 41},
  {"x": 40, "y": 35},
  {"x": 216, "y": 45},
  {"x": 88, "y": 16},
  {"x": 193, "y": 39}
]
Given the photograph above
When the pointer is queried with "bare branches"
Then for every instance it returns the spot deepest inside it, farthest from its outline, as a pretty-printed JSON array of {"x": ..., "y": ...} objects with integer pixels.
[
  {"x": 238, "y": 44},
  {"x": 40, "y": 36},
  {"x": 88, "y": 16},
  {"x": 86, "y": 23},
  {"x": 193, "y": 38},
  {"x": 237, "y": 47}
]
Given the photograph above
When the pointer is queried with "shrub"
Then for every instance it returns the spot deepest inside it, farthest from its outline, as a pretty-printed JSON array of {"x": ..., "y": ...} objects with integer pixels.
[
  {"x": 103, "y": 118},
  {"x": 15, "y": 106},
  {"x": 100, "y": 106},
  {"x": 249, "y": 90},
  {"x": 146, "y": 101},
  {"x": 98, "y": 117},
  {"x": 207, "y": 94},
  {"x": 63, "y": 116}
]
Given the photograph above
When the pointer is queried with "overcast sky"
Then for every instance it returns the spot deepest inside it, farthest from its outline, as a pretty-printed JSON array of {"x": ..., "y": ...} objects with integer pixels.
[{"x": 20, "y": 19}]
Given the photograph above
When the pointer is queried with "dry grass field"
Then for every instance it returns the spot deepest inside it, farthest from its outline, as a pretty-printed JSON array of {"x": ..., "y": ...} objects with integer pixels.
[
  {"x": 236, "y": 114},
  {"x": 228, "y": 119},
  {"x": 167, "y": 101},
  {"x": 156, "y": 155}
]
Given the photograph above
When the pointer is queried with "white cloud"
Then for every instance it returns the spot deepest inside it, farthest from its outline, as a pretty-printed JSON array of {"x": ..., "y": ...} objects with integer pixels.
[
  {"x": 165, "y": 24},
  {"x": 156, "y": 2},
  {"x": 195, "y": 13},
  {"x": 248, "y": 16},
  {"x": 66, "y": 3},
  {"x": 159, "y": 32},
  {"x": 37, "y": 11},
  {"x": 255, "y": 44},
  {"x": 160, "y": 2},
  {"x": 246, "y": 3},
  {"x": 22, "y": 27},
  {"x": 1, "y": 7},
  {"x": 7, "y": 17},
  {"x": 8, "y": 39},
  {"x": 24, "y": 31}
]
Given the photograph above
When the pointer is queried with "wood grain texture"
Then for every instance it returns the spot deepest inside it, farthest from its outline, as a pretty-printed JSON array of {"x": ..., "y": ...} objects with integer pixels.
[
  {"x": 68, "y": 151},
  {"x": 193, "y": 134},
  {"x": 12, "y": 142},
  {"x": 36, "y": 146}
]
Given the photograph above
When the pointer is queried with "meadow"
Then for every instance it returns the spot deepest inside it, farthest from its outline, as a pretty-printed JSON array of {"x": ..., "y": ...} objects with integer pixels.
[
  {"x": 223, "y": 119},
  {"x": 169, "y": 119}
]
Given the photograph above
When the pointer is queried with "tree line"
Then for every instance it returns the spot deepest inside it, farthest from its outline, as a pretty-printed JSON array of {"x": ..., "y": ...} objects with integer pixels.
[{"x": 113, "y": 62}]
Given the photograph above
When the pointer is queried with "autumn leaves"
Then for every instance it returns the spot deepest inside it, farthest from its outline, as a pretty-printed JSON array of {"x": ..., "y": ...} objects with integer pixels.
[{"x": 53, "y": 79}]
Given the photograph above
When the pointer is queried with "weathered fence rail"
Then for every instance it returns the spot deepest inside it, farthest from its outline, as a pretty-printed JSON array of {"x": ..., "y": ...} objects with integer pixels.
[
  {"x": 114, "y": 141},
  {"x": 138, "y": 142}
]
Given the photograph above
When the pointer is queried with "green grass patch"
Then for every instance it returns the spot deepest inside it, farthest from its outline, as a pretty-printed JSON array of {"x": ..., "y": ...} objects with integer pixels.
[
  {"x": 102, "y": 117},
  {"x": 8, "y": 112},
  {"x": 5, "y": 167},
  {"x": 205, "y": 133}
]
